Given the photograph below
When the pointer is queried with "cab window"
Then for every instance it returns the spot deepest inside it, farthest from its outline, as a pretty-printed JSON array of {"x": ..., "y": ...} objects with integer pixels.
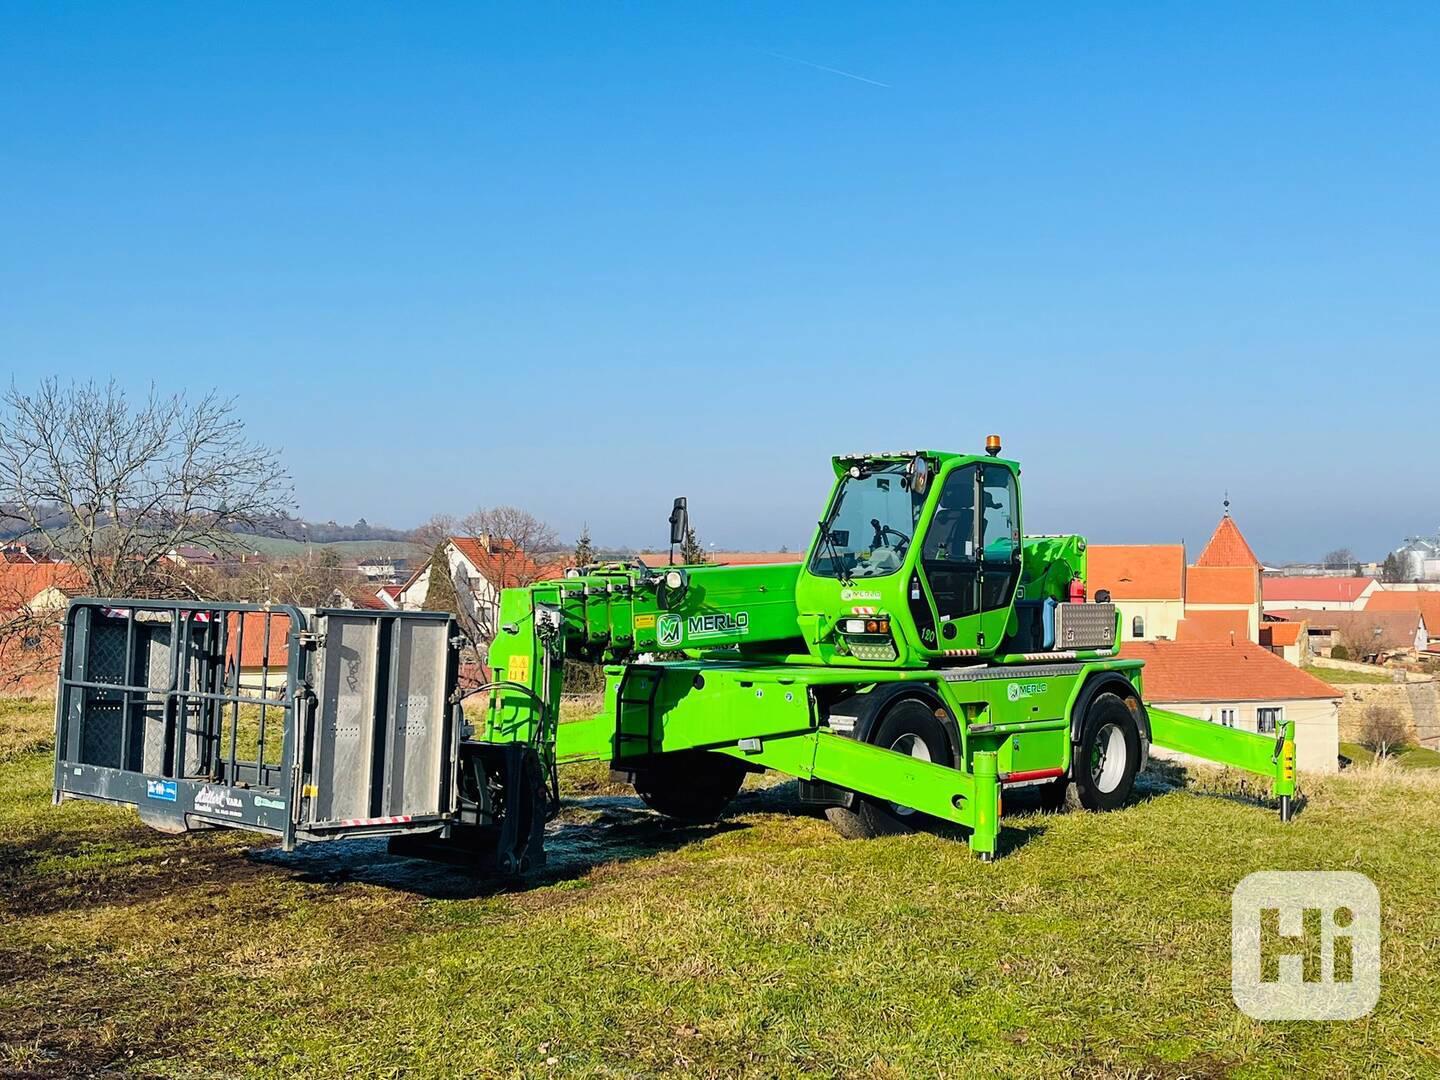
[
  {"x": 949, "y": 555},
  {"x": 999, "y": 536}
]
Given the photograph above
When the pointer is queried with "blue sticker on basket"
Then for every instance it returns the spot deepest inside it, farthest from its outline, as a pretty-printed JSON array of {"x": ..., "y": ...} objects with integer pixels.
[{"x": 160, "y": 789}]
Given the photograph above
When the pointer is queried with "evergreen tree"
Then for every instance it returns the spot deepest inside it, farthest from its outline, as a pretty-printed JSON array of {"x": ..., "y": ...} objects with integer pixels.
[
  {"x": 692, "y": 552},
  {"x": 440, "y": 595},
  {"x": 585, "y": 554},
  {"x": 1394, "y": 568}
]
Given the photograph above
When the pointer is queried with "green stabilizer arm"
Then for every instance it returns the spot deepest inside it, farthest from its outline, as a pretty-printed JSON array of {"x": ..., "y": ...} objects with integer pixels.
[
  {"x": 968, "y": 799},
  {"x": 1259, "y": 754}
]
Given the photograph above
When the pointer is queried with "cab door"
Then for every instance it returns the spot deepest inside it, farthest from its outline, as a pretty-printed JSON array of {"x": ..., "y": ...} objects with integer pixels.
[
  {"x": 999, "y": 546},
  {"x": 969, "y": 561}
]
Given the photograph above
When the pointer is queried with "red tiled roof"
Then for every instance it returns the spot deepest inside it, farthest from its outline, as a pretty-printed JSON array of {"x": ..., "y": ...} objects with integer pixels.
[
  {"x": 252, "y": 648},
  {"x": 506, "y": 568},
  {"x": 364, "y": 597},
  {"x": 20, "y": 583},
  {"x": 1213, "y": 626},
  {"x": 727, "y": 558},
  {"x": 1280, "y": 633},
  {"x": 1222, "y": 585},
  {"x": 1137, "y": 571},
  {"x": 1178, "y": 671},
  {"x": 1319, "y": 590},
  {"x": 1227, "y": 547},
  {"x": 1425, "y": 601},
  {"x": 1318, "y": 618}
]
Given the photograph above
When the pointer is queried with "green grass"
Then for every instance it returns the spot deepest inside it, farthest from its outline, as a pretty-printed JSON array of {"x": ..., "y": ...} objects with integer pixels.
[
  {"x": 1343, "y": 676},
  {"x": 1406, "y": 757},
  {"x": 26, "y": 724},
  {"x": 1097, "y": 946}
]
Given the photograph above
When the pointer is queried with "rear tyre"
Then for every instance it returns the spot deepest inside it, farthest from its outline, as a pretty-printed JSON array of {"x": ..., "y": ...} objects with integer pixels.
[
  {"x": 693, "y": 786},
  {"x": 1108, "y": 755},
  {"x": 909, "y": 727}
]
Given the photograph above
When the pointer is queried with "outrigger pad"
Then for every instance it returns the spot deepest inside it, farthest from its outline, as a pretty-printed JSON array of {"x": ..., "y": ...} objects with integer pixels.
[
  {"x": 520, "y": 843},
  {"x": 511, "y": 803}
]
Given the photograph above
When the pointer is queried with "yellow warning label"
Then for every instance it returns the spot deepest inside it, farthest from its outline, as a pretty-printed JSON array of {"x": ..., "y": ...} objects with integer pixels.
[
  {"x": 644, "y": 622},
  {"x": 518, "y": 668}
]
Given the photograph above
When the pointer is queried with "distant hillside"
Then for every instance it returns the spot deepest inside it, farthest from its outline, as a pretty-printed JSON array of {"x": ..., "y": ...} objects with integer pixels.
[{"x": 279, "y": 546}]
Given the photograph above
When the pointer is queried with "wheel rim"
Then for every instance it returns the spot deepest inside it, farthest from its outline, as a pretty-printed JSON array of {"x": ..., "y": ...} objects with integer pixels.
[
  {"x": 1107, "y": 758},
  {"x": 911, "y": 745}
]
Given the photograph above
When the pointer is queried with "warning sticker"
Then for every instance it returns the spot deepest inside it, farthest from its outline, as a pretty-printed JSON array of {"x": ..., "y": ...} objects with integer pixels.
[
  {"x": 644, "y": 622},
  {"x": 518, "y": 668}
]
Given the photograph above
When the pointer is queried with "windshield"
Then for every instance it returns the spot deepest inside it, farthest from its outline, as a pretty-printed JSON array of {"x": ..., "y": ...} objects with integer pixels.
[{"x": 870, "y": 525}]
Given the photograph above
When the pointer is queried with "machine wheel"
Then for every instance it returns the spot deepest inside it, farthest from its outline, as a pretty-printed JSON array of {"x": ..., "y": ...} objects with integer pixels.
[
  {"x": 692, "y": 785},
  {"x": 1108, "y": 755},
  {"x": 909, "y": 727}
]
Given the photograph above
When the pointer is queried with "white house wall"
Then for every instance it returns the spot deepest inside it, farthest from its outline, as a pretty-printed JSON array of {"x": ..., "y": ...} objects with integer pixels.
[{"x": 1317, "y": 727}]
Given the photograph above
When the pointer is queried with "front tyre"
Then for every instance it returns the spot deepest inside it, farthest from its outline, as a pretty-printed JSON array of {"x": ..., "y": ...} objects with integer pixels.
[
  {"x": 910, "y": 727},
  {"x": 693, "y": 786},
  {"x": 1108, "y": 755}
]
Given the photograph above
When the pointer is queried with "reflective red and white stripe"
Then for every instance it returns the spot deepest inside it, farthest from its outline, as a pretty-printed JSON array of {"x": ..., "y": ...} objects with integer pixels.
[{"x": 395, "y": 819}]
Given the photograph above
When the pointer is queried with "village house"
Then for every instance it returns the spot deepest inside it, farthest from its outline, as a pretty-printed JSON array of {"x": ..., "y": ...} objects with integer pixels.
[
  {"x": 382, "y": 569},
  {"x": 1424, "y": 601},
  {"x": 17, "y": 551},
  {"x": 1317, "y": 593},
  {"x": 1146, "y": 581},
  {"x": 480, "y": 566},
  {"x": 363, "y": 597},
  {"x": 1367, "y": 635},
  {"x": 1217, "y": 598},
  {"x": 262, "y": 653},
  {"x": 191, "y": 555},
  {"x": 1288, "y": 640},
  {"x": 38, "y": 587},
  {"x": 1243, "y": 685}
]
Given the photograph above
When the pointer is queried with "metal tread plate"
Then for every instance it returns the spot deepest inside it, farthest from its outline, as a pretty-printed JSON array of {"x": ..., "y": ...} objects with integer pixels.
[{"x": 1025, "y": 671}]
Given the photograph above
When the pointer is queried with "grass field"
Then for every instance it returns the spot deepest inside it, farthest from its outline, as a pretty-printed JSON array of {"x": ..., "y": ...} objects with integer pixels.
[
  {"x": 767, "y": 945},
  {"x": 277, "y": 546},
  {"x": 1406, "y": 757},
  {"x": 1344, "y": 676}
]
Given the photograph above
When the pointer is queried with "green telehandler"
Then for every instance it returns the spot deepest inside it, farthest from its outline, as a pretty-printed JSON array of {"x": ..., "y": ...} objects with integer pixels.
[{"x": 924, "y": 658}]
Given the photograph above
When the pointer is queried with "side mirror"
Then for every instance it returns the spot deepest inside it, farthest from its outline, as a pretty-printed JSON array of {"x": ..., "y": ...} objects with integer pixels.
[
  {"x": 679, "y": 521},
  {"x": 919, "y": 475}
]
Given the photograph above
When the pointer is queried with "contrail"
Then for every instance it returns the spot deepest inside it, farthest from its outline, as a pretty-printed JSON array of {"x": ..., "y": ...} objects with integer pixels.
[{"x": 831, "y": 70}]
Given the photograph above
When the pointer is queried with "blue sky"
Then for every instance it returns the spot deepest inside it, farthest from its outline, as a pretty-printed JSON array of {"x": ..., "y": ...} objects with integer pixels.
[{"x": 586, "y": 257}]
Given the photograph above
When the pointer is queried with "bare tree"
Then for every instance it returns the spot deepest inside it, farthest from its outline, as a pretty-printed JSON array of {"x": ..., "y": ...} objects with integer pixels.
[
  {"x": 437, "y": 530},
  {"x": 518, "y": 549},
  {"x": 131, "y": 481},
  {"x": 1382, "y": 730},
  {"x": 1339, "y": 559}
]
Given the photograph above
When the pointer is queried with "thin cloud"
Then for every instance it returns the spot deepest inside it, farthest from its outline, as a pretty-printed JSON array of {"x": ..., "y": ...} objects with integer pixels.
[{"x": 831, "y": 70}]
